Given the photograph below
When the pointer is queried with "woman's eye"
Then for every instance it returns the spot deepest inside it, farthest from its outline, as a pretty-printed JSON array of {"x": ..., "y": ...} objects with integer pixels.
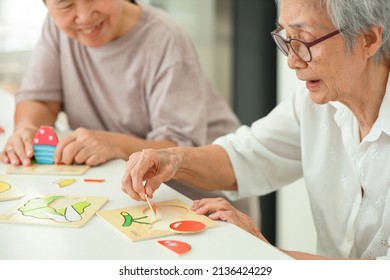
[{"x": 65, "y": 5}]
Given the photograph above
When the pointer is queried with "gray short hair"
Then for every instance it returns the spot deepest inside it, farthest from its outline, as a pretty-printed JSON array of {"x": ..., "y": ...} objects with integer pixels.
[{"x": 358, "y": 16}]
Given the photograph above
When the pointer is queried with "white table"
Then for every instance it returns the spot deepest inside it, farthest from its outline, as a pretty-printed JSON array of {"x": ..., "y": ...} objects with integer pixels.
[{"x": 98, "y": 240}]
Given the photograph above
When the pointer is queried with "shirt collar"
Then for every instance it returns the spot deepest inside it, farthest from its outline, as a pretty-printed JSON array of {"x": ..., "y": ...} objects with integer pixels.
[{"x": 384, "y": 111}]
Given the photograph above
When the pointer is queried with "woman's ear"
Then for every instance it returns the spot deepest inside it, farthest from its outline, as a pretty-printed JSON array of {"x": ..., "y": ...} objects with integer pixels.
[{"x": 373, "y": 41}]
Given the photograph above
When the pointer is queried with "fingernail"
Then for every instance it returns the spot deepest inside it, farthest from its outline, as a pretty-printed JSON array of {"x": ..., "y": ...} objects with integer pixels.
[{"x": 149, "y": 191}]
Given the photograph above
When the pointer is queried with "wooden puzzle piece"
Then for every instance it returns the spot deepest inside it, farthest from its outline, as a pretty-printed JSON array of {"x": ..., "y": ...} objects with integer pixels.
[
  {"x": 64, "y": 182},
  {"x": 44, "y": 144},
  {"x": 4, "y": 186},
  {"x": 138, "y": 223},
  {"x": 179, "y": 247},
  {"x": 187, "y": 226},
  {"x": 8, "y": 190},
  {"x": 43, "y": 208},
  {"x": 128, "y": 219},
  {"x": 55, "y": 210},
  {"x": 48, "y": 169}
]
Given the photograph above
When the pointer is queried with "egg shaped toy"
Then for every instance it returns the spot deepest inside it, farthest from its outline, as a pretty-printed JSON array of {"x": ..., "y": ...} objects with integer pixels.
[{"x": 44, "y": 144}]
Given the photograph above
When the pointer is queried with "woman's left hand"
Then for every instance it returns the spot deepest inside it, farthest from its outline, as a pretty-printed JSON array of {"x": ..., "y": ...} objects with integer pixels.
[
  {"x": 221, "y": 209},
  {"x": 86, "y": 146}
]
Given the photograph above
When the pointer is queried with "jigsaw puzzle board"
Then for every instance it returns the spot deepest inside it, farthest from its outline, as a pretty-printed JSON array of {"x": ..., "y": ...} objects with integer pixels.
[
  {"x": 54, "y": 210},
  {"x": 8, "y": 190},
  {"x": 138, "y": 223},
  {"x": 48, "y": 169}
]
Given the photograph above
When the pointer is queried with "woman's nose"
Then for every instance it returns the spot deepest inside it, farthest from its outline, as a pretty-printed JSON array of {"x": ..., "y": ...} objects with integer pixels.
[
  {"x": 84, "y": 11},
  {"x": 295, "y": 61}
]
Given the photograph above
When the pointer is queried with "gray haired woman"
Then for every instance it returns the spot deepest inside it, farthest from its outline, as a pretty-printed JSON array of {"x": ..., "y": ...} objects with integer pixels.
[{"x": 334, "y": 132}]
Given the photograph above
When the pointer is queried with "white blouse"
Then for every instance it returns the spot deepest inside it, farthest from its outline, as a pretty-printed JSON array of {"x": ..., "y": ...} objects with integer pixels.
[{"x": 347, "y": 179}]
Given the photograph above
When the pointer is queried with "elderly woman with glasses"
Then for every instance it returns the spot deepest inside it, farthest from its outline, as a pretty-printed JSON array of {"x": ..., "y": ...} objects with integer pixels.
[{"x": 334, "y": 132}]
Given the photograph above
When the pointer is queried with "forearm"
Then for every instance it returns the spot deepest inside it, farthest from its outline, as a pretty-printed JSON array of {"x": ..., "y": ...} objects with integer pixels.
[
  {"x": 207, "y": 167},
  {"x": 35, "y": 114},
  {"x": 306, "y": 256},
  {"x": 125, "y": 145}
]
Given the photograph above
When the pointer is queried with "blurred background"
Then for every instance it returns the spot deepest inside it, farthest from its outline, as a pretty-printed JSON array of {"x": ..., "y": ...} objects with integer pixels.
[{"x": 233, "y": 41}]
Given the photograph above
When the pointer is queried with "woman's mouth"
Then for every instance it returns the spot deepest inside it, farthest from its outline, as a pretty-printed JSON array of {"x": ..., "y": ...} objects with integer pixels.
[
  {"x": 312, "y": 84},
  {"x": 91, "y": 31}
]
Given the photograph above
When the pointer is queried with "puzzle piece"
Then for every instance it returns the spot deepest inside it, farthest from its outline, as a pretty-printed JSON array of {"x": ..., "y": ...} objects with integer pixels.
[
  {"x": 187, "y": 226},
  {"x": 4, "y": 186},
  {"x": 179, "y": 247},
  {"x": 8, "y": 190},
  {"x": 44, "y": 144},
  {"x": 54, "y": 210},
  {"x": 137, "y": 222}
]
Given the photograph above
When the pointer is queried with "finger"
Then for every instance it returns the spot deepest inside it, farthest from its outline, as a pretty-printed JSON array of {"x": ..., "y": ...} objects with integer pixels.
[
  {"x": 4, "y": 158},
  {"x": 13, "y": 158},
  {"x": 28, "y": 146},
  {"x": 151, "y": 186},
  {"x": 223, "y": 215},
  {"x": 27, "y": 153},
  {"x": 83, "y": 155},
  {"x": 127, "y": 182},
  {"x": 15, "y": 151},
  {"x": 208, "y": 205},
  {"x": 215, "y": 215},
  {"x": 134, "y": 195},
  {"x": 92, "y": 160},
  {"x": 128, "y": 189},
  {"x": 58, "y": 154},
  {"x": 70, "y": 151},
  {"x": 138, "y": 167}
]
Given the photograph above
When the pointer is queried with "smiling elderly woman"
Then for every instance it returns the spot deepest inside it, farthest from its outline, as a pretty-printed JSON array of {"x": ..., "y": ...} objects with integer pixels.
[{"x": 335, "y": 132}]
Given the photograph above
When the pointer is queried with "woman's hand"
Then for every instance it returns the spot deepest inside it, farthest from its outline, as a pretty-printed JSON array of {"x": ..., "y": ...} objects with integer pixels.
[
  {"x": 221, "y": 209},
  {"x": 86, "y": 146},
  {"x": 19, "y": 150},
  {"x": 152, "y": 166}
]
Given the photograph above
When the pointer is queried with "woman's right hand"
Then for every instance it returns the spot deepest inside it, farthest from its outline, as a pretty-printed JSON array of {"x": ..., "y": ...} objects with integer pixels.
[
  {"x": 151, "y": 166},
  {"x": 19, "y": 150}
]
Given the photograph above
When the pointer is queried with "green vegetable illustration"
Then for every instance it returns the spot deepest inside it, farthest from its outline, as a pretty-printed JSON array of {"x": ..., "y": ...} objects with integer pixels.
[
  {"x": 39, "y": 208},
  {"x": 129, "y": 219}
]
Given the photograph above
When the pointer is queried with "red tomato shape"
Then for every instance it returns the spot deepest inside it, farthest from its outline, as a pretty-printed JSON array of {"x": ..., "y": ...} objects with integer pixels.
[
  {"x": 187, "y": 226},
  {"x": 179, "y": 247}
]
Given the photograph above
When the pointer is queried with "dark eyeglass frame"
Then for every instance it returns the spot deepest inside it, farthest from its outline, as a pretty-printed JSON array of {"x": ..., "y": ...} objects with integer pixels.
[{"x": 308, "y": 45}]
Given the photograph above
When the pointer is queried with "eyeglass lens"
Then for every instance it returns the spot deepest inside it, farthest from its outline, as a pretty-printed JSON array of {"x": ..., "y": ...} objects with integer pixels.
[{"x": 297, "y": 46}]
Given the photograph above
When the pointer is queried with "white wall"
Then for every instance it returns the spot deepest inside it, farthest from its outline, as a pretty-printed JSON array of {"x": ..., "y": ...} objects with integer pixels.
[
  {"x": 295, "y": 228},
  {"x": 20, "y": 27}
]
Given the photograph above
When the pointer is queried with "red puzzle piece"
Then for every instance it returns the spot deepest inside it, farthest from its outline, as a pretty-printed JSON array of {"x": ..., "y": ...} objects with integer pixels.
[
  {"x": 179, "y": 247},
  {"x": 45, "y": 136},
  {"x": 187, "y": 226}
]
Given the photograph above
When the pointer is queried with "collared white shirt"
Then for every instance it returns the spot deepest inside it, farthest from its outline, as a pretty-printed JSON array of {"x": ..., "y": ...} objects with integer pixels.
[{"x": 347, "y": 179}]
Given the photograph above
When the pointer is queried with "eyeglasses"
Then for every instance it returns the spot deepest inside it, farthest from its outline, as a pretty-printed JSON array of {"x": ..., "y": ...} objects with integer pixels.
[{"x": 299, "y": 47}]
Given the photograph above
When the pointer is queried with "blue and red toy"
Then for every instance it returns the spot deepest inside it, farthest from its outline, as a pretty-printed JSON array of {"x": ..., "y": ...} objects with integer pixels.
[{"x": 44, "y": 144}]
